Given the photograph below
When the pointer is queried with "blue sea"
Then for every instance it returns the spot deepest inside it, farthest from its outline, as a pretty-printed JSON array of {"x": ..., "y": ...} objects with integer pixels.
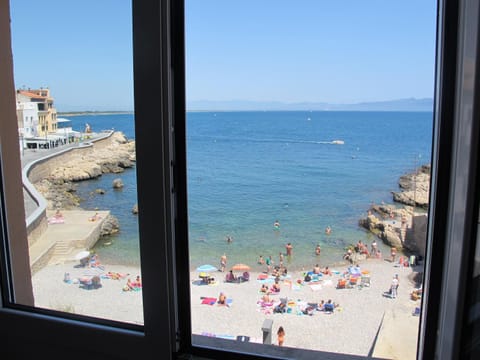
[{"x": 248, "y": 169}]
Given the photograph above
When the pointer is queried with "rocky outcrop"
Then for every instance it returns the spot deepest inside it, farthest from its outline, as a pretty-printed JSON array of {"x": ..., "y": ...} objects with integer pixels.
[
  {"x": 114, "y": 158},
  {"x": 59, "y": 187},
  {"x": 415, "y": 188},
  {"x": 390, "y": 234},
  {"x": 110, "y": 226},
  {"x": 400, "y": 226},
  {"x": 58, "y": 194},
  {"x": 391, "y": 237}
]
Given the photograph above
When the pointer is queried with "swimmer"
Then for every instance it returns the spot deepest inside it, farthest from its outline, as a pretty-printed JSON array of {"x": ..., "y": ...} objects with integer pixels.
[
  {"x": 261, "y": 260},
  {"x": 328, "y": 230}
]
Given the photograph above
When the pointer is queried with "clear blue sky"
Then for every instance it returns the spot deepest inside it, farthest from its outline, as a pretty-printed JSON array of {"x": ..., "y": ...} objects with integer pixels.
[{"x": 271, "y": 50}]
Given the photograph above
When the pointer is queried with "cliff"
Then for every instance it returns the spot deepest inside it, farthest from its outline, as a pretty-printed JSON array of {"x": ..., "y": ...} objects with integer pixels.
[{"x": 401, "y": 225}]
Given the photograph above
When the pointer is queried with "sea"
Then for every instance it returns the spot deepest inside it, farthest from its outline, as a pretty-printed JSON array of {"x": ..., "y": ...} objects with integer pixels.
[{"x": 245, "y": 170}]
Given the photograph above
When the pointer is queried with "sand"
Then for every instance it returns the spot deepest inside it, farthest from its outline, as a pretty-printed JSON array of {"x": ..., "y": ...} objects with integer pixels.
[{"x": 351, "y": 329}]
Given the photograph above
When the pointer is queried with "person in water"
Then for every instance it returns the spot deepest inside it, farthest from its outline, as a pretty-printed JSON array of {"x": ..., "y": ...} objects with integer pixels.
[
  {"x": 328, "y": 230},
  {"x": 223, "y": 262},
  {"x": 261, "y": 260},
  {"x": 276, "y": 224},
  {"x": 289, "y": 249}
]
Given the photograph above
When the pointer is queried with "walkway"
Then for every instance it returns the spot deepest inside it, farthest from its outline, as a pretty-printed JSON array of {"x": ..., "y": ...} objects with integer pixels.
[{"x": 61, "y": 242}]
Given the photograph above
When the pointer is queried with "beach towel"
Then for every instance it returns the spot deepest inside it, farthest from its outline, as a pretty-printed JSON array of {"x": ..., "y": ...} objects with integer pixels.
[
  {"x": 54, "y": 220},
  {"x": 228, "y": 303},
  {"x": 316, "y": 287},
  {"x": 268, "y": 280},
  {"x": 296, "y": 287},
  {"x": 262, "y": 276},
  {"x": 265, "y": 304},
  {"x": 208, "y": 300}
]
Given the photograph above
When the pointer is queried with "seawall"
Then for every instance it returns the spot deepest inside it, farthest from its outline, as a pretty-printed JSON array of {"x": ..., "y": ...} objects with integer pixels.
[{"x": 43, "y": 244}]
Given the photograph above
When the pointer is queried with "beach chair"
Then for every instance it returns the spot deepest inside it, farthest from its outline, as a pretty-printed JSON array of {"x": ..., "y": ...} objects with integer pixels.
[
  {"x": 352, "y": 281},
  {"x": 342, "y": 283},
  {"x": 365, "y": 280}
]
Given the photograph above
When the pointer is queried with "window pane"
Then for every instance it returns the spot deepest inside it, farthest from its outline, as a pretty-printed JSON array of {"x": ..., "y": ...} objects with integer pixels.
[
  {"x": 74, "y": 95},
  {"x": 302, "y": 120}
]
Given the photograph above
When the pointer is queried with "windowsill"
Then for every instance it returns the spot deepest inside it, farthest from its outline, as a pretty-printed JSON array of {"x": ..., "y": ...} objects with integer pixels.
[{"x": 265, "y": 350}]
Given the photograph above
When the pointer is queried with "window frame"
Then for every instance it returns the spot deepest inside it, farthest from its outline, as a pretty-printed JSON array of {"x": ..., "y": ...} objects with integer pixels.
[{"x": 159, "y": 87}]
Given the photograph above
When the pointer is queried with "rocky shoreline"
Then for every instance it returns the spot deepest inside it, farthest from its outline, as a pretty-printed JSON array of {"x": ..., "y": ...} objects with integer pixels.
[
  {"x": 59, "y": 187},
  {"x": 394, "y": 224}
]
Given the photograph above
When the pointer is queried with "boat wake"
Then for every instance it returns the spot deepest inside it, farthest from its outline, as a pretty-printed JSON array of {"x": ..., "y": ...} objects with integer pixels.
[{"x": 266, "y": 140}]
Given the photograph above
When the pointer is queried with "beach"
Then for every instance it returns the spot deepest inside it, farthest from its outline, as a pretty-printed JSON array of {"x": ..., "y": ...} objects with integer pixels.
[
  {"x": 352, "y": 327},
  {"x": 302, "y": 181}
]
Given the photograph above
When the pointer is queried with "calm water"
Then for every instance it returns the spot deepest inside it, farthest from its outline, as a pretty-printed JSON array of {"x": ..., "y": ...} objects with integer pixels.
[{"x": 247, "y": 169}]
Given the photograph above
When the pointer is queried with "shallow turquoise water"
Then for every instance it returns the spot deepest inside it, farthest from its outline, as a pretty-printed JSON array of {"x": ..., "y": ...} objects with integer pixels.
[{"x": 247, "y": 169}]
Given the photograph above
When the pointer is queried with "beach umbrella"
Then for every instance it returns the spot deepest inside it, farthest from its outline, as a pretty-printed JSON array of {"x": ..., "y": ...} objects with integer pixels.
[
  {"x": 207, "y": 268},
  {"x": 82, "y": 254},
  {"x": 240, "y": 267}
]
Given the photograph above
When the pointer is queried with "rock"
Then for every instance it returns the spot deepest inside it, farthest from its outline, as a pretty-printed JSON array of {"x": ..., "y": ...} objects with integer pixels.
[
  {"x": 109, "y": 157},
  {"x": 395, "y": 225},
  {"x": 100, "y": 191},
  {"x": 391, "y": 237},
  {"x": 113, "y": 158},
  {"x": 117, "y": 184},
  {"x": 415, "y": 188},
  {"x": 110, "y": 226},
  {"x": 370, "y": 222},
  {"x": 58, "y": 196}
]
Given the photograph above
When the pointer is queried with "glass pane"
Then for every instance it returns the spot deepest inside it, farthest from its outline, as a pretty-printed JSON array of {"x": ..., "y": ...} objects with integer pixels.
[
  {"x": 302, "y": 120},
  {"x": 74, "y": 93}
]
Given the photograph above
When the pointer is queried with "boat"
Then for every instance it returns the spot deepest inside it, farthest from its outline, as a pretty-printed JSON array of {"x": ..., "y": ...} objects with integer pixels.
[{"x": 338, "y": 142}]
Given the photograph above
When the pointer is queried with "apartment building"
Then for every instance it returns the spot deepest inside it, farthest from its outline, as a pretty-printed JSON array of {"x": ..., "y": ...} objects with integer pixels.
[{"x": 47, "y": 114}]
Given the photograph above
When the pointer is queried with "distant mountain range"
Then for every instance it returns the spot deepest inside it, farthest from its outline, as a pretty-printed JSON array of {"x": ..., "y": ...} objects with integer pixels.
[{"x": 410, "y": 104}]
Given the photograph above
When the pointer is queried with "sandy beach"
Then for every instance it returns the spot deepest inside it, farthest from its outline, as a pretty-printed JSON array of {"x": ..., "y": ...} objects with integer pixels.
[{"x": 352, "y": 328}]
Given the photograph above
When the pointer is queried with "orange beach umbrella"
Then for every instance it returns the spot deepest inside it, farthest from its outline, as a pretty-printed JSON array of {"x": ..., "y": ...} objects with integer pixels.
[{"x": 240, "y": 267}]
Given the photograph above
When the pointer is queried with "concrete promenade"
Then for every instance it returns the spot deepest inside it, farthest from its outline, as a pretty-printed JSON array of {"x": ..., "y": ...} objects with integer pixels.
[{"x": 58, "y": 242}]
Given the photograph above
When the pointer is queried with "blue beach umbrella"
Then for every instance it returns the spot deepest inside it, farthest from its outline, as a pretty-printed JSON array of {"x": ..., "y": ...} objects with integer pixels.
[{"x": 206, "y": 268}]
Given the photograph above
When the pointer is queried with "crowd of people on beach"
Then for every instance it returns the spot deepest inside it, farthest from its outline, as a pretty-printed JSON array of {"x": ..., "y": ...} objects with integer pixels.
[
  {"x": 278, "y": 276},
  {"x": 95, "y": 272}
]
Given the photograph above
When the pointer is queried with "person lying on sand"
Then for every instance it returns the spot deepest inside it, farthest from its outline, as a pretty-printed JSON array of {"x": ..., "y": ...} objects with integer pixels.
[
  {"x": 94, "y": 217},
  {"x": 222, "y": 299}
]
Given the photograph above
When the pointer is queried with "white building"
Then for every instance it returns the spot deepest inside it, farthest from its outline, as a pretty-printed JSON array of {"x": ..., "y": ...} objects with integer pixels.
[{"x": 27, "y": 117}]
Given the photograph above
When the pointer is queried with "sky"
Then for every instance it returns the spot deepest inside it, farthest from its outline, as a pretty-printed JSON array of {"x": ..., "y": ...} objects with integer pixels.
[{"x": 333, "y": 51}]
